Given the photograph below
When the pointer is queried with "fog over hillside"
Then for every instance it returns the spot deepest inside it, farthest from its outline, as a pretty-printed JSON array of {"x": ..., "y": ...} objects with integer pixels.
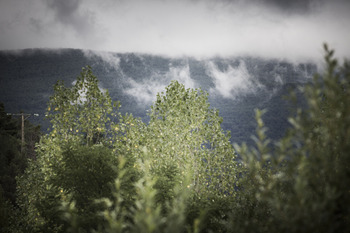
[
  {"x": 245, "y": 54},
  {"x": 183, "y": 175},
  {"x": 236, "y": 85}
]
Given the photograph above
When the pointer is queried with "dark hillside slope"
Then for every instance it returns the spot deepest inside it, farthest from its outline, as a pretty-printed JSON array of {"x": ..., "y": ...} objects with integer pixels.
[{"x": 236, "y": 85}]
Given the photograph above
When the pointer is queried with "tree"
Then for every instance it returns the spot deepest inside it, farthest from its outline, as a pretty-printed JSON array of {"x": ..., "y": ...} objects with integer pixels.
[
  {"x": 13, "y": 162},
  {"x": 185, "y": 130},
  {"x": 184, "y": 136},
  {"x": 82, "y": 111},
  {"x": 304, "y": 181},
  {"x": 186, "y": 161},
  {"x": 81, "y": 118}
]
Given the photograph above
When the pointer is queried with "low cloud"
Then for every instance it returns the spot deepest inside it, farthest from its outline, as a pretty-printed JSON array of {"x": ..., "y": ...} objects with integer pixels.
[
  {"x": 75, "y": 15},
  {"x": 294, "y": 30},
  {"x": 231, "y": 82},
  {"x": 109, "y": 58},
  {"x": 145, "y": 92},
  {"x": 181, "y": 74}
]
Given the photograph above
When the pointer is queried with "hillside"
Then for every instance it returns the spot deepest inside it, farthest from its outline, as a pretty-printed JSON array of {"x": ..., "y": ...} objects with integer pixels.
[{"x": 236, "y": 85}]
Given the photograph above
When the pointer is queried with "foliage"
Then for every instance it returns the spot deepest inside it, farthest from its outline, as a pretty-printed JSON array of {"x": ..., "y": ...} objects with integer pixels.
[
  {"x": 304, "y": 180},
  {"x": 13, "y": 162},
  {"x": 183, "y": 133},
  {"x": 86, "y": 174},
  {"x": 179, "y": 172},
  {"x": 80, "y": 117},
  {"x": 83, "y": 110},
  {"x": 145, "y": 215},
  {"x": 186, "y": 137},
  {"x": 182, "y": 148}
]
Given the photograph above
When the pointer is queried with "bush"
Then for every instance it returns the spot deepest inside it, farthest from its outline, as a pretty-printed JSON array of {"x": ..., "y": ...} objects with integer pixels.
[{"x": 303, "y": 180}]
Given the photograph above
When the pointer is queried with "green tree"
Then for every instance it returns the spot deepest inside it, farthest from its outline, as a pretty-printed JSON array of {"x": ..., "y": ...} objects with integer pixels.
[
  {"x": 185, "y": 132},
  {"x": 145, "y": 215},
  {"x": 83, "y": 110},
  {"x": 74, "y": 160},
  {"x": 186, "y": 162},
  {"x": 184, "y": 136},
  {"x": 304, "y": 181},
  {"x": 13, "y": 162}
]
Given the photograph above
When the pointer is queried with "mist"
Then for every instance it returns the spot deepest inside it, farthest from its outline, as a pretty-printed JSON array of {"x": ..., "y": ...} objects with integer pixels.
[
  {"x": 232, "y": 82},
  {"x": 292, "y": 30},
  {"x": 145, "y": 91}
]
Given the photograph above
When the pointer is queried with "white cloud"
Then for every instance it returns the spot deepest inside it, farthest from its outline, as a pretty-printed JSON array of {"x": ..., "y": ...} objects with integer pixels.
[
  {"x": 268, "y": 28},
  {"x": 111, "y": 59},
  {"x": 145, "y": 92},
  {"x": 181, "y": 74},
  {"x": 232, "y": 82}
]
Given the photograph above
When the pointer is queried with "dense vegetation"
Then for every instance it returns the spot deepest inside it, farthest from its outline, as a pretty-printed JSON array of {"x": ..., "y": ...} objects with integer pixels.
[
  {"x": 13, "y": 158},
  {"x": 101, "y": 171}
]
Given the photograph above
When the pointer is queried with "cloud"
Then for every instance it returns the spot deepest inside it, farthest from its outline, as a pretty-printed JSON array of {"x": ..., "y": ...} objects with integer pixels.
[
  {"x": 231, "y": 82},
  {"x": 181, "y": 74},
  {"x": 65, "y": 11},
  {"x": 145, "y": 92},
  {"x": 293, "y": 7},
  {"x": 111, "y": 59},
  {"x": 73, "y": 14},
  {"x": 293, "y": 30}
]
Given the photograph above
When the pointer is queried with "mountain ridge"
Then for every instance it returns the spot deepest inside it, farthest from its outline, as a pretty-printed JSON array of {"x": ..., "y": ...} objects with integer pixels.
[{"x": 236, "y": 86}]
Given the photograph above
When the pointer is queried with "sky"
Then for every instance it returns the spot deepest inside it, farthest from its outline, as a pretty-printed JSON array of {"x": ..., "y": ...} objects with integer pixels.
[{"x": 282, "y": 29}]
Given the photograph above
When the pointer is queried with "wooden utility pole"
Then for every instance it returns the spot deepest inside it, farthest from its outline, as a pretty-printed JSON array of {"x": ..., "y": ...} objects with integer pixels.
[
  {"x": 24, "y": 116},
  {"x": 22, "y": 145}
]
